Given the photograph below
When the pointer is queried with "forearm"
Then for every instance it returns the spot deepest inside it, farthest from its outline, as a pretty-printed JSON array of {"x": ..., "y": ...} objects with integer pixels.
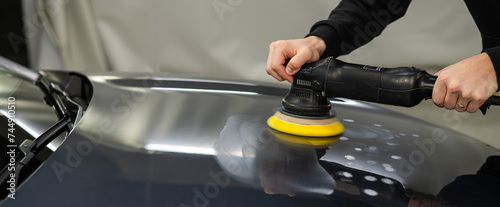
[
  {"x": 353, "y": 23},
  {"x": 486, "y": 17}
]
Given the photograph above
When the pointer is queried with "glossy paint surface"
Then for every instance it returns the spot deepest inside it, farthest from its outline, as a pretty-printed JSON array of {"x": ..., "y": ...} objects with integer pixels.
[{"x": 157, "y": 141}]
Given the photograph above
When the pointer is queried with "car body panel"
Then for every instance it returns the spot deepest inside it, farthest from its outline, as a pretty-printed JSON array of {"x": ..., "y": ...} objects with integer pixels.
[{"x": 149, "y": 141}]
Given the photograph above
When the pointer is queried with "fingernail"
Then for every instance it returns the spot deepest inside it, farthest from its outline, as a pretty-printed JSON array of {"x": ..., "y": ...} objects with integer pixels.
[{"x": 288, "y": 71}]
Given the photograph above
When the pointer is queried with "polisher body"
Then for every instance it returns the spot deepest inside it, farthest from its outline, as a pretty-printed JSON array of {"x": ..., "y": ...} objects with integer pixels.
[
  {"x": 331, "y": 78},
  {"x": 306, "y": 106}
]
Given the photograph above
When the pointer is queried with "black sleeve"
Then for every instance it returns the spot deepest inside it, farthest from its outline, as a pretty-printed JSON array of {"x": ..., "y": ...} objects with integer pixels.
[
  {"x": 487, "y": 18},
  {"x": 353, "y": 23},
  {"x": 494, "y": 53}
]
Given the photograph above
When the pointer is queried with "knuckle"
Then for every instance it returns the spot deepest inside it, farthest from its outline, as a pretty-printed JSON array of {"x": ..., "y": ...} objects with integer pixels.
[
  {"x": 454, "y": 88},
  {"x": 273, "y": 44},
  {"x": 446, "y": 79},
  {"x": 477, "y": 97},
  {"x": 279, "y": 43},
  {"x": 443, "y": 77}
]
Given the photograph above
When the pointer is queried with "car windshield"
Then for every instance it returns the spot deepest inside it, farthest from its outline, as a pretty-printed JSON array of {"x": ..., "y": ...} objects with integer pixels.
[
  {"x": 24, "y": 102},
  {"x": 24, "y": 115},
  {"x": 10, "y": 82}
]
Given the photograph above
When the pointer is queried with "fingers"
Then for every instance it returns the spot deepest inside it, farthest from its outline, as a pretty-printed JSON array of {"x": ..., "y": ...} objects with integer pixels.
[
  {"x": 456, "y": 96},
  {"x": 299, "y": 51},
  {"x": 468, "y": 104},
  {"x": 297, "y": 61},
  {"x": 474, "y": 106},
  {"x": 456, "y": 100},
  {"x": 462, "y": 104},
  {"x": 453, "y": 97},
  {"x": 450, "y": 100},
  {"x": 276, "y": 60},
  {"x": 439, "y": 93}
]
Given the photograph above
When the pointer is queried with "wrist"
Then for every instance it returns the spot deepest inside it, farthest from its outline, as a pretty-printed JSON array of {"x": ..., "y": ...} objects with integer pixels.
[
  {"x": 486, "y": 63},
  {"x": 317, "y": 43}
]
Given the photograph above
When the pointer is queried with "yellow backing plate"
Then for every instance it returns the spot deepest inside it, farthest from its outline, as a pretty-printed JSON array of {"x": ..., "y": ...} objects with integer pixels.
[
  {"x": 316, "y": 142},
  {"x": 326, "y": 130}
]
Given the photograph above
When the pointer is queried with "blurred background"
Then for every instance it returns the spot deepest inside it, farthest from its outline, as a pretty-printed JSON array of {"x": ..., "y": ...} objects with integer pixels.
[{"x": 230, "y": 39}]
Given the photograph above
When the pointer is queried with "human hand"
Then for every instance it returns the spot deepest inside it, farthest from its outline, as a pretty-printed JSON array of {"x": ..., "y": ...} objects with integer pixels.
[
  {"x": 275, "y": 182},
  {"x": 466, "y": 85},
  {"x": 299, "y": 51}
]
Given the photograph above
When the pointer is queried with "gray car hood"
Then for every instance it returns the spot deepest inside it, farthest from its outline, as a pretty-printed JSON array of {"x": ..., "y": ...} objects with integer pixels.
[{"x": 149, "y": 141}]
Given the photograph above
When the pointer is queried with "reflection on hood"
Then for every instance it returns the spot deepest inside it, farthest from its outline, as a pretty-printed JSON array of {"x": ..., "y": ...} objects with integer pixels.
[{"x": 249, "y": 152}]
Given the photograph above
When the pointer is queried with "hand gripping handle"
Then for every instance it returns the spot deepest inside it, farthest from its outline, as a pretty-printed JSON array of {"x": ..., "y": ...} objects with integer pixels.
[{"x": 493, "y": 100}]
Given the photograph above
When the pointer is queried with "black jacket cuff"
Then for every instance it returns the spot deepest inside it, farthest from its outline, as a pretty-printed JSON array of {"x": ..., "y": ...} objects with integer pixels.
[
  {"x": 331, "y": 38},
  {"x": 494, "y": 53}
]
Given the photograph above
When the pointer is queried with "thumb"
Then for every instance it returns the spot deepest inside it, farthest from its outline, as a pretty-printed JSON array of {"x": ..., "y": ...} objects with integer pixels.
[{"x": 294, "y": 64}]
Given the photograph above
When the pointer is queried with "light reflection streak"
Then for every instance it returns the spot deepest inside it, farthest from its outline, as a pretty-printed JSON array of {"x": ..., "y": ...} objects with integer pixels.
[
  {"x": 180, "y": 149},
  {"x": 26, "y": 128},
  {"x": 205, "y": 90}
]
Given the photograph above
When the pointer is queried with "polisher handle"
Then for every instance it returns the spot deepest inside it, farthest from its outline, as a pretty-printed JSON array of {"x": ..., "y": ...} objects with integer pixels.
[
  {"x": 331, "y": 78},
  {"x": 493, "y": 100},
  {"x": 401, "y": 86}
]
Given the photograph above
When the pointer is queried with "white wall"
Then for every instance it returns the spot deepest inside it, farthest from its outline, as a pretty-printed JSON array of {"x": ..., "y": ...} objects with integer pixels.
[{"x": 231, "y": 37}]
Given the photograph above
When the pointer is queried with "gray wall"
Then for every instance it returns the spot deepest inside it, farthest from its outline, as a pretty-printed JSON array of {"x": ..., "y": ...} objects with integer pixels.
[{"x": 231, "y": 37}]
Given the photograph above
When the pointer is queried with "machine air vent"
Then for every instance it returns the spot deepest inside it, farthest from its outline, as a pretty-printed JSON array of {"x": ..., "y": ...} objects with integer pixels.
[
  {"x": 303, "y": 95},
  {"x": 303, "y": 82}
]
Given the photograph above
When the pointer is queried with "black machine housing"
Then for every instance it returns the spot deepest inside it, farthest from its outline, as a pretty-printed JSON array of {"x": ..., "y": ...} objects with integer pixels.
[{"x": 332, "y": 78}]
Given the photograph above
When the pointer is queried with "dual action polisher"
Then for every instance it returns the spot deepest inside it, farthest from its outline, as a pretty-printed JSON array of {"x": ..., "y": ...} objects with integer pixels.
[{"x": 306, "y": 110}]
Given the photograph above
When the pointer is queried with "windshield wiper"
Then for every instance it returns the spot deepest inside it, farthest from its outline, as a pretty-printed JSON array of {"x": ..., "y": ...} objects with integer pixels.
[
  {"x": 60, "y": 100},
  {"x": 29, "y": 148},
  {"x": 20, "y": 70},
  {"x": 68, "y": 113}
]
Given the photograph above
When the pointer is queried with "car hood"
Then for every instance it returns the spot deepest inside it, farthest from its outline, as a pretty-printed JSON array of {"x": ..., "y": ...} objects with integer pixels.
[{"x": 150, "y": 140}]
